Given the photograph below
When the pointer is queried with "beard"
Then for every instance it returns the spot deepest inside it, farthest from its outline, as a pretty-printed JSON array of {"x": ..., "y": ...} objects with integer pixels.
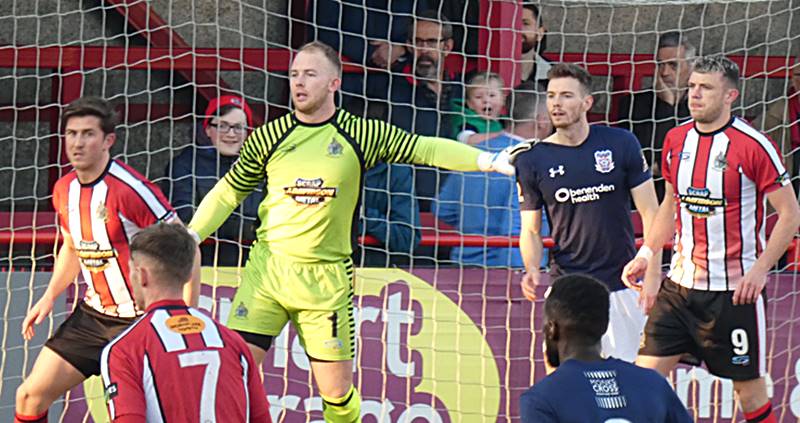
[
  {"x": 527, "y": 45},
  {"x": 426, "y": 67},
  {"x": 710, "y": 114}
]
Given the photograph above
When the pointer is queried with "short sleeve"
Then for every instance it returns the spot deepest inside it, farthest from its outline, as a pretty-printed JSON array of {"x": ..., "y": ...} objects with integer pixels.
[
  {"x": 666, "y": 157},
  {"x": 61, "y": 208},
  {"x": 764, "y": 165},
  {"x": 148, "y": 206},
  {"x": 636, "y": 169},
  {"x": 676, "y": 411},
  {"x": 123, "y": 392},
  {"x": 534, "y": 409},
  {"x": 530, "y": 197}
]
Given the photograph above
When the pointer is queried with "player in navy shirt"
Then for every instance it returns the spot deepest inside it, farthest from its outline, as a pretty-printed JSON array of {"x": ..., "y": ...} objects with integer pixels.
[
  {"x": 585, "y": 386},
  {"x": 584, "y": 178}
]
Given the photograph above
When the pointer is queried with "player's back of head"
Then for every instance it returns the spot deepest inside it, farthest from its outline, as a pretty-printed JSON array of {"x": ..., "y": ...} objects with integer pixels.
[
  {"x": 579, "y": 304},
  {"x": 169, "y": 250}
]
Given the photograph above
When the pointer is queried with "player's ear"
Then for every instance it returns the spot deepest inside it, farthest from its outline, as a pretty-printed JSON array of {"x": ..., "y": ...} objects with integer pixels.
[
  {"x": 588, "y": 102},
  {"x": 110, "y": 139},
  {"x": 731, "y": 95},
  {"x": 551, "y": 330}
]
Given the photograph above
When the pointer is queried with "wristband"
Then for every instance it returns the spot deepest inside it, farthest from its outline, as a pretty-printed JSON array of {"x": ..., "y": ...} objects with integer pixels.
[
  {"x": 645, "y": 252},
  {"x": 194, "y": 235}
]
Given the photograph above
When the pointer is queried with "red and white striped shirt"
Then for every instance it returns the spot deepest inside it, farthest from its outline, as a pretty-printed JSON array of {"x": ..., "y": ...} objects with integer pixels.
[
  {"x": 102, "y": 217},
  {"x": 720, "y": 181},
  {"x": 176, "y": 364}
]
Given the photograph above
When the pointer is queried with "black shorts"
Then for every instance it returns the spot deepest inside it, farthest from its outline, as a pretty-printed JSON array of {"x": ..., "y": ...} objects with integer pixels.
[
  {"x": 81, "y": 338},
  {"x": 730, "y": 339}
]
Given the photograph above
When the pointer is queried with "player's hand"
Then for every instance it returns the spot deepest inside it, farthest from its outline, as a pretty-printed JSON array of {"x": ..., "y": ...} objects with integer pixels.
[
  {"x": 496, "y": 162},
  {"x": 36, "y": 315},
  {"x": 634, "y": 272},
  {"x": 529, "y": 283},
  {"x": 750, "y": 286},
  {"x": 649, "y": 292}
]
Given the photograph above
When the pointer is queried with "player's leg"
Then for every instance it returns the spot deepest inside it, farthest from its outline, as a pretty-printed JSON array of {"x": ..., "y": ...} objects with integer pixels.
[
  {"x": 668, "y": 331},
  {"x": 736, "y": 344},
  {"x": 256, "y": 315},
  {"x": 50, "y": 378},
  {"x": 625, "y": 326},
  {"x": 328, "y": 335}
]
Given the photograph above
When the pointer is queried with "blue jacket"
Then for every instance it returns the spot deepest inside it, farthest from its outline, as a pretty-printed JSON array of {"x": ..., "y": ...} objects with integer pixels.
[
  {"x": 390, "y": 213},
  {"x": 478, "y": 203},
  {"x": 192, "y": 174}
]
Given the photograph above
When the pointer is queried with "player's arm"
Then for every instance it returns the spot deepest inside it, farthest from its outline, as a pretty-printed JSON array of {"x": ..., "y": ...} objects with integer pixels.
[
  {"x": 530, "y": 248},
  {"x": 65, "y": 271},
  {"x": 644, "y": 197},
  {"x": 784, "y": 202},
  {"x": 533, "y": 409},
  {"x": 662, "y": 229},
  {"x": 397, "y": 145},
  {"x": 244, "y": 176},
  {"x": 122, "y": 386}
]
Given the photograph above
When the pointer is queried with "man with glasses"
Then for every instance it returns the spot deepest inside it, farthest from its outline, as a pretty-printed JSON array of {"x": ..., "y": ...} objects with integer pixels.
[
  {"x": 420, "y": 95},
  {"x": 194, "y": 171}
]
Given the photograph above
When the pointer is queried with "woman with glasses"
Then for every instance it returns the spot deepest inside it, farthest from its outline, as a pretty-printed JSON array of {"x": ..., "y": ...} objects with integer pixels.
[{"x": 194, "y": 171}]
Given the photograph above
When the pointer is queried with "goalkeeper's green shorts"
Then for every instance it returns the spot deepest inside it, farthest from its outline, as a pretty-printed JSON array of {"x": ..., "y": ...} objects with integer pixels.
[{"x": 317, "y": 298}]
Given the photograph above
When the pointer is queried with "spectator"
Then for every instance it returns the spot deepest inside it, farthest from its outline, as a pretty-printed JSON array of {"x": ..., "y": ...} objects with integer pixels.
[
  {"x": 479, "y": 204},
  {"x": 371, "y": 33},
  {"x": 420, "y": 97},
  {"x": 196, "y": 169},
  {"x": 650, "y": 114},
  {"x": 781, "y": 122},
  {"x": 534, "y": 66},
  {"x": 479, "y": 113},
  {"x": 390, "y": 214}
]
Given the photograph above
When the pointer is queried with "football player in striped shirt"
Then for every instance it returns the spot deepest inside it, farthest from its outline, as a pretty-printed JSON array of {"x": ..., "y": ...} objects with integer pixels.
[
  {"x": 313, "y": 161},
  {"x": 175, "y": 364},
  {"x": 721, "y": 173},
  {"x": 101, "y": 204},
  {"x": 585, "y": 387}
]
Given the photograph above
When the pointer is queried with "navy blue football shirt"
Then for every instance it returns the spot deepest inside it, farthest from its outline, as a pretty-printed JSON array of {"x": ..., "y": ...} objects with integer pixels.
[
  {"x": 610, "y": 390},
  {"x": 585, "y": 191}
]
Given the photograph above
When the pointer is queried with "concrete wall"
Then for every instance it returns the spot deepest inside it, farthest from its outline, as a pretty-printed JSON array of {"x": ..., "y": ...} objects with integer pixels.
[{"x": 753, "y": 28}]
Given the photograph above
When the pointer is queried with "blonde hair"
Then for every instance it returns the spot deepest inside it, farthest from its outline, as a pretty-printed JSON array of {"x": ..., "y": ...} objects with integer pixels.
[{"x": 482, "y": 79}]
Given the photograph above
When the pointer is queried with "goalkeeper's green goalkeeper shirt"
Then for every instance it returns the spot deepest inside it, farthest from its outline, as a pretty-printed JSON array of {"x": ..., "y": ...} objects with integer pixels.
[{"x": 314, "y": 174}]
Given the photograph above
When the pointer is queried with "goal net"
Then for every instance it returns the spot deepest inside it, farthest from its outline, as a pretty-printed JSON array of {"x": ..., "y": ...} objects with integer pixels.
[{"x": 444, "y": 333}]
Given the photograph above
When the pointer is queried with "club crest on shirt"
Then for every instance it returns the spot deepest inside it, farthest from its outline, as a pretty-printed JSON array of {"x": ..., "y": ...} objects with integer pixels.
[
  {"x": 334, "y": 148},
  {"x": 603, "y": 161},
  {"x": 241, "y": 311},
  {"x": 101, "y": 212},
  {"x": 185, "y": 324},
  {"x": 720, "y": 162}
]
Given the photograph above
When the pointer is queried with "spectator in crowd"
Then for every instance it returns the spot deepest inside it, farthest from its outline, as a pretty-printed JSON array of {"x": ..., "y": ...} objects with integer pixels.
[
  {"x": 534, "y": 66},
  {"x": 478, "y": 117},
  {"x": 781, "y": 122},
  {"x": 587, "y": 387},
  {"x": 421, "y": 96},
  {"x": 650, "y": 114},
  {"x": 197, "y": 169},
  {"x": 479, "y": 205},
  {"x": 390, "y": 214},
  {"x": 371, "y": 33}
]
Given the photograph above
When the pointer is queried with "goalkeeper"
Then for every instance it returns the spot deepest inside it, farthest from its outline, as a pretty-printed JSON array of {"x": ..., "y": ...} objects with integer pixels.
[{"x": 300, "y": 268}]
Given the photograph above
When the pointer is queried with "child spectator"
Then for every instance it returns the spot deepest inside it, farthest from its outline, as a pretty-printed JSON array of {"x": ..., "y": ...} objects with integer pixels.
[{"x": 478, "y": 115}]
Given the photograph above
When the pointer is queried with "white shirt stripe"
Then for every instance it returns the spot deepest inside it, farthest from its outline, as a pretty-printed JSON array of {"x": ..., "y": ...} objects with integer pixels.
[
  {"x": 685, "y": 274},
  {"x": 245, "y": 370},
  {"x": 748, "y": 223},
  {"x": 74, "y": 225},
  {"x": 715, "y": 224},
  {"x": 137, "y": 185},
  {"x": 173, "y": 341},
  {"x": 150, "y": 393},
  {"x": 210, "y": 333},
  {"x": 113, "y": 273}
]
